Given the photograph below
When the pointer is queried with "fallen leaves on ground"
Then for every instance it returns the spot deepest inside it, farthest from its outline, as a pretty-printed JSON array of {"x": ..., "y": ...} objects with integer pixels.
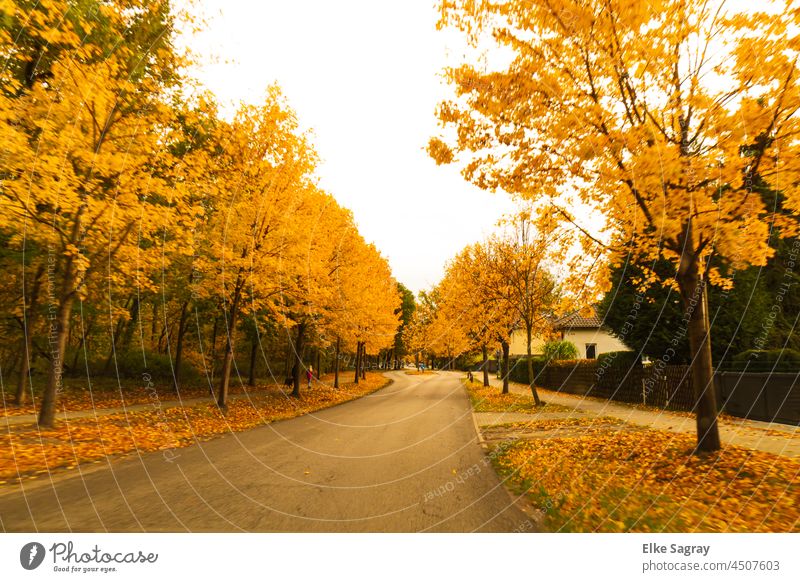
[
  {"x": 649, "y": 481},
  {"x": 80, "y": 394},
  {"x": 490, "y": 399},
  {"x": 31, "y": 451}
]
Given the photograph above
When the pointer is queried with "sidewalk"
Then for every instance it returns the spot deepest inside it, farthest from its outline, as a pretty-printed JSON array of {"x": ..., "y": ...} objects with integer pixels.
[{"x": 775, "y": 438}]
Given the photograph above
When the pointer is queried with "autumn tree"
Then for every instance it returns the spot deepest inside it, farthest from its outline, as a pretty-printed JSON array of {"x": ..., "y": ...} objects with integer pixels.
[
  {"x": 520, "y": 278},
  {"x": 465, "y": 303},
  {"x": 376, "y": 308},
  {"x": 82, "y": 144},
  {"x": 262, "y": 176},
  {"x": 446, "y": 335},
  {"x": 315, "y": 293},
  {"x": 657, "y": 117},
  {"x": 406, "y": 312}
]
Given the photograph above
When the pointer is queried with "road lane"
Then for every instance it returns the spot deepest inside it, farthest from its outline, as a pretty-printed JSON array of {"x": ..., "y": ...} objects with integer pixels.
[{"x": 403, "y": 459}]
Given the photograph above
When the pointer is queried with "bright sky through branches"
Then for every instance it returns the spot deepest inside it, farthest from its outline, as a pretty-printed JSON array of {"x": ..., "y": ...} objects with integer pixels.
[{"x": 364, "y": 76}]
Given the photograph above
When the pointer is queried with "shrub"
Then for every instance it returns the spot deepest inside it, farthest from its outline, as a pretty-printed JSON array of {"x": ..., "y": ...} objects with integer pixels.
[
  {"x": 131, "y": 365},
  {"x": 560, "y": 350}
]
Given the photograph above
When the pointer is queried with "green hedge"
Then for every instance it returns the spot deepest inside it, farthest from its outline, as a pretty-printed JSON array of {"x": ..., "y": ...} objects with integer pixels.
[
  {"x": 519, "y": 369},
  {"x": 765, "y": 361},
  {"x": 622, "y": 360},
  {"x": 618, "y": 360}
]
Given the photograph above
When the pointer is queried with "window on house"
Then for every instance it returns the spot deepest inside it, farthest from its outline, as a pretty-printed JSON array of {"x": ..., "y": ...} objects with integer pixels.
[{"x": 591, "y": 351}]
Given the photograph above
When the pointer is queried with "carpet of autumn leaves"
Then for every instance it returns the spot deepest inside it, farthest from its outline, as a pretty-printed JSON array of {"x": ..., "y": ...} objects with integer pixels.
[
  {"x": 80, "y": 394},
  {"x": 491, "y": 400},
  {"x": 31, "y": 451},
  {"x": 645, "y": 480}
]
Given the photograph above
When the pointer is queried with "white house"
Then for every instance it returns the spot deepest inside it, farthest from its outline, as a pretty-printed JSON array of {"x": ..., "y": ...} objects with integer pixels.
[{"x": 587, "y": 333}]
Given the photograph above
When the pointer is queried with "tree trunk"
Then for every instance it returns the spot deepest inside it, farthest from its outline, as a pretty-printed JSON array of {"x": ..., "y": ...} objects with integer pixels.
[
  {"x": 57, "y": 340},
  {"x": 363, "y": 361},
  {"x": 287, "y": 364},
  {"x": 336, "y": 365},
  {"x": 29, "y": 312},
  {"x": 131, "y": 324},
  {"x": 505, "y": 347},
  {"x": 251, "y": 380},
  {"x": 299, "y": 345},
  {"x": 225, "y": 374},
  {"x": 693, "y": 295},
  {"x": 154, "y": 326},
  {"x": 485, "y": 353},
  {"x": 179, "y": 344},
  {"x": 115, "y": 340},
  {"x": 214, "y": 351},
  {"x": 531, "y": 382},
  {"x": 81, "y": 345},
  {"x": 358, "y": 363}
]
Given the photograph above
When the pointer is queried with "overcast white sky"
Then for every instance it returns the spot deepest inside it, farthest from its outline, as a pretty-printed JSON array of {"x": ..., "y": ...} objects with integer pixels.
[{"x": 364, "y": 76}]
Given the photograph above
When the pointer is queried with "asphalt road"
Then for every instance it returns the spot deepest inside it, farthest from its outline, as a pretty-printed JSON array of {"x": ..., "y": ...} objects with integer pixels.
[{"x": 404, "y": 459}]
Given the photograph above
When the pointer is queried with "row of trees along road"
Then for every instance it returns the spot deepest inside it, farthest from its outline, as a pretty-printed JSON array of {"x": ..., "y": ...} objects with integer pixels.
[
  {"x": 126, "y": 196},
  {"x": 661, "y": 117},
  {"x": 516, "y": 280}
]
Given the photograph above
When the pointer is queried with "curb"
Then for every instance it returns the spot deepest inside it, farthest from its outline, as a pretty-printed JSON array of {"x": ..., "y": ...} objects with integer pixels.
[
  {"x": 478, "y": 433},
  {"x": 521, "y": 502}
]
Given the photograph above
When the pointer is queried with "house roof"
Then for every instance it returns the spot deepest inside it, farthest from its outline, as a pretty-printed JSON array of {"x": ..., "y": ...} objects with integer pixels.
[{"x": 575, "y": 319}]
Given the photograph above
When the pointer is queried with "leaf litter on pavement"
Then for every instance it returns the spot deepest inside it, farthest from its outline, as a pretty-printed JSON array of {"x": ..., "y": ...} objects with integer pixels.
[{"x": 645, "y": 480}]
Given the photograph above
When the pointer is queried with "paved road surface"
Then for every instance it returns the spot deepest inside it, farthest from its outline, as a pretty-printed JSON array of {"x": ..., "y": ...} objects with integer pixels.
[{"x": 402, "y": 459}]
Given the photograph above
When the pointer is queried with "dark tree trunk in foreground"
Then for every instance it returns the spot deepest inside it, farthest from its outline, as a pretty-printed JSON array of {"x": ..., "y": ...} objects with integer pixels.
[
  {"x": 336, "y": 364},
  {"x": 485, "y": 354},
  {"x": 57, "y": 338},
  {"x": 363, "y": 361},
  {"x": 506, "y": 348},
  {"x": 693, "y": 295},
  {"x": 299, "y": 345}
]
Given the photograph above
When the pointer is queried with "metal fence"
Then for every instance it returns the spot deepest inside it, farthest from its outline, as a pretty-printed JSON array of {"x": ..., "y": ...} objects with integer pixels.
[{"x": 769, "y": 396}]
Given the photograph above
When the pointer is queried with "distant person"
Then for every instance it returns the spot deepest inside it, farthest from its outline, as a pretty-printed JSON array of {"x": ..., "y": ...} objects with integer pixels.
[{"x": 310, "y": 375}]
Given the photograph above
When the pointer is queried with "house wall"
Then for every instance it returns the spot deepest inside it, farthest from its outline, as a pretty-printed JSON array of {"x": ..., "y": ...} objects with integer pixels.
[
  {"x": 604, "y": 340},
  {"x": 518, "y": 345},
  {"x": 580, "y": 337}
]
